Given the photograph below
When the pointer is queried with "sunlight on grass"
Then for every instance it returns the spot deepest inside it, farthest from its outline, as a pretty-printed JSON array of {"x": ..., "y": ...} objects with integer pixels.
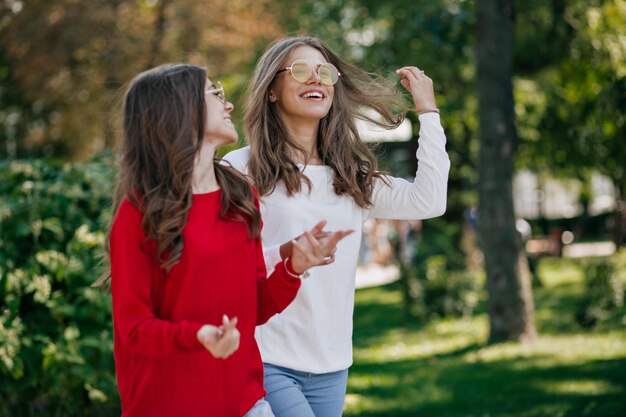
[
  {"x": 571, "y": 349},
  {"x": 367, "y": 381},
  {"x": 439, "y": 338},
  {"x": 558, "y": 272},
  {"x": 446, "y": 369},
  {"x": 584, "y": 387}
]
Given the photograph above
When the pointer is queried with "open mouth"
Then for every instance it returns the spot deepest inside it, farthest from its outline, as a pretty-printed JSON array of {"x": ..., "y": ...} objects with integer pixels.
[{"x": 313, "y": 95}]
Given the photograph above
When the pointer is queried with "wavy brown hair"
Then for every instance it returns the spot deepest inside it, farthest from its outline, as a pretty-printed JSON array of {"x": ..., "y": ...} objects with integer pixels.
[
  {"x": 164, "y": 118},
  {"x": 339, "y": 143}
]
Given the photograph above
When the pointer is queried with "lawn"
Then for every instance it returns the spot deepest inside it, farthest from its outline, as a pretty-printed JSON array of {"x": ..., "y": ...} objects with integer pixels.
[{"x": 446, "y": 369}]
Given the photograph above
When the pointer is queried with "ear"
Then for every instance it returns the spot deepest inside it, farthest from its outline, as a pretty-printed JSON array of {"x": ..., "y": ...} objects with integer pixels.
[{"x": 272, "y": 97}]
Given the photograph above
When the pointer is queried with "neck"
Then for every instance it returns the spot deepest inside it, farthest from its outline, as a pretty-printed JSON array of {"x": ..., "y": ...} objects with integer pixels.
[
  {"x": 204, "y": 180},
  {"x": 305, "y": 135}
]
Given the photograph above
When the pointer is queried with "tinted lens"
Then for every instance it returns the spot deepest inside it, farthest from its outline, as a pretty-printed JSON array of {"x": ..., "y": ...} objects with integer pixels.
[
  {"x": 221, "y": 94},
  {"x": 328, "y": 74},
  {"x": 301, "y": 71}
]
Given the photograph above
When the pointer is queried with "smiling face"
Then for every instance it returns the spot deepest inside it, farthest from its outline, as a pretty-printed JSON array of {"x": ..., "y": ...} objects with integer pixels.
[
  {"x": 219, "y": 128},
  {"x": 298, "y": 102}
]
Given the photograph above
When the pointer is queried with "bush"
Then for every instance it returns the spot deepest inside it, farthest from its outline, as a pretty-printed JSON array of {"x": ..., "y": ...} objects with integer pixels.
[
  {"x": 437, "y": 282},
  {"x": 56, "y": 344},
  {"x": 604, "y": 293}
]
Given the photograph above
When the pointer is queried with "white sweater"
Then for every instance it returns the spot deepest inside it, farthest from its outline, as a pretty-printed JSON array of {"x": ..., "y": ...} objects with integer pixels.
[{"x": 314, "y": 333}]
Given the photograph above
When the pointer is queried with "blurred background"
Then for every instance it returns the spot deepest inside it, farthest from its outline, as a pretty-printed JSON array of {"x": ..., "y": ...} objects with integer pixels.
[{"x": 433, "y": 335}]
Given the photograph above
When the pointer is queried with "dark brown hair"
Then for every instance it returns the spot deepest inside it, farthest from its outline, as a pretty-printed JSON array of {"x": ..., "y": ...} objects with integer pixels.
[
  {"x": 339, "y": 143},
  {"x": 164, "y": 120}
]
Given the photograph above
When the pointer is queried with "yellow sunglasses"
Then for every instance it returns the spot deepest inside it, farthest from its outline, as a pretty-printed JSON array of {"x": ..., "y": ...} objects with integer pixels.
[{"x": 302, "y": 71}]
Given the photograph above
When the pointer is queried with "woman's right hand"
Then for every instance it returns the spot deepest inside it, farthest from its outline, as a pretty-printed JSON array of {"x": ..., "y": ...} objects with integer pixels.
[
  {"x": 221, "y": 341},
  {"x": 421, "y": 88},
  {"x": 315, "y": 247}
]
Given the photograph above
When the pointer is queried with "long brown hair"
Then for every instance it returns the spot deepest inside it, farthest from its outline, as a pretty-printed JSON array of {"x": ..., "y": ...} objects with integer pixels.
[
  {"x": 339, "y": 143},
  {"x": 164, "y": 118}
]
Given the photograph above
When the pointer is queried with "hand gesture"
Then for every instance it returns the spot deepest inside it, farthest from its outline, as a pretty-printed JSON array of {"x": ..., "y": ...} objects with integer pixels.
[
  {"x": 315, "y": 247},
  {"x": 420, "y": 87},
  {"x": 221, "y": 341}
]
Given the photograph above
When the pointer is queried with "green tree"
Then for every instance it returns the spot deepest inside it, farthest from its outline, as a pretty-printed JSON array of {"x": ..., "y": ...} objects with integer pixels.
[{"x": 571, "y": 91}]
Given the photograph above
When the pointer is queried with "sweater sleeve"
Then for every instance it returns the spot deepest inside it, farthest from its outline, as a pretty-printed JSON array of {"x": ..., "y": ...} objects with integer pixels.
[
  {"x": 271, "y": 254},
  {"x": 275, "y": 292},
  {"x": 132, "y": 272},
  {"x": 426, "y": 196}
]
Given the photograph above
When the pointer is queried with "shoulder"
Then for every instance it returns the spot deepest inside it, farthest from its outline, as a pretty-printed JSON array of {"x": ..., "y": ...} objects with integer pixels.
[
  {"x": 127, "y": 217},
  {"x": 238, "y": 159}
]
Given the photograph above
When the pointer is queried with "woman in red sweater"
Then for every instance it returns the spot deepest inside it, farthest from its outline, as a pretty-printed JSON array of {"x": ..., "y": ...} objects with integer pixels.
[{"x": 188, "y": 278}]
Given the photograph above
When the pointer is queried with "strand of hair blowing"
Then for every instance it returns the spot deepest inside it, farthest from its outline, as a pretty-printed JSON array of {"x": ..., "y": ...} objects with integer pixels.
[{"x": 339, "y": 143}]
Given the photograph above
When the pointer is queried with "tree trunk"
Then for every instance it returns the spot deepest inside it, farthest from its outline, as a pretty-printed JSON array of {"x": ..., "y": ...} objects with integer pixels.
[{"x": 510, "y": 303}]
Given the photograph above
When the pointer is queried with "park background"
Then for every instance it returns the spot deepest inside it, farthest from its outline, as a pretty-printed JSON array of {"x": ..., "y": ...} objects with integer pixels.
[{"x": 483, "y": 321}]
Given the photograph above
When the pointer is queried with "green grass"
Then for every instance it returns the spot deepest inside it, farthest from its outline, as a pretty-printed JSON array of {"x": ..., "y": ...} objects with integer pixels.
[{"x": 446, "y": 369}]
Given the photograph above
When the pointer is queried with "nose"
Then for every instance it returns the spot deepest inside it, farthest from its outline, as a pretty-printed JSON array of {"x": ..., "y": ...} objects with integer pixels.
[
  {"x": 315, "y": 78},
  {"x": 228, "y": 106}
]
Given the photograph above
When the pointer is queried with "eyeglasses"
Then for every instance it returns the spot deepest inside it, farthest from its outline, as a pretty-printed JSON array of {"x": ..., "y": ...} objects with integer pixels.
[
  {"x": 218, "y": 91},
  {"x": 302, "y": 71}
]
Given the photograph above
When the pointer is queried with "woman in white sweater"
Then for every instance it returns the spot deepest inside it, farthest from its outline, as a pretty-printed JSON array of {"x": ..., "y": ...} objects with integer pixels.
[{"x": 308, "y": 161}]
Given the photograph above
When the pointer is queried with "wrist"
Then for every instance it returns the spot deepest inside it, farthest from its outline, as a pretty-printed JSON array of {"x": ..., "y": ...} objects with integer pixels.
[
  {"x": 285, "y": 250},
  {"x": 431, "y": 110},
  {"x": 292, "y": 272}
]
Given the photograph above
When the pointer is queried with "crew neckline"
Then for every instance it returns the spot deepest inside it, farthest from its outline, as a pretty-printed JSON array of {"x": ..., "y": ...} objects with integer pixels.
[{"x": 207, "y": 194}]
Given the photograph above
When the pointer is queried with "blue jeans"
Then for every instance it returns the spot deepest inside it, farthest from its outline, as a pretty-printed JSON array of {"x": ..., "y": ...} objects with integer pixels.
[
  {"x": 303, "y": 394},
  {"x": 260, "y": 409}
]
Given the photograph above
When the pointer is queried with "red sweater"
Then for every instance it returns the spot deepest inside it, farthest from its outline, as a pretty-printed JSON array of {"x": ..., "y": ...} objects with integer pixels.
[{"x": 162, "y": 368}]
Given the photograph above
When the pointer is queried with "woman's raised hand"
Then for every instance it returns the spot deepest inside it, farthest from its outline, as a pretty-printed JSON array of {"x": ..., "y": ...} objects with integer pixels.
[
  {"x": 221, "y": 341},
  {"x": 420, "y": 87}
]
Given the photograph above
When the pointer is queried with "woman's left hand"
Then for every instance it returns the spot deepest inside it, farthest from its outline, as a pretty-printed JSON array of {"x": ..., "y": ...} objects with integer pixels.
[
  {"x": 420, "y": 87},
  {"x": 311, "y": 250}
]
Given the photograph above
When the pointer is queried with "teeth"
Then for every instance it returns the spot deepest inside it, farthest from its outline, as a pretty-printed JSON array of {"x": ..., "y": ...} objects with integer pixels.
[{"x": 312, "y": 94}]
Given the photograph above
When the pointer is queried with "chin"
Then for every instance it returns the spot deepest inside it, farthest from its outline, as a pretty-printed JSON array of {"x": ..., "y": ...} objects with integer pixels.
[{"x": 315, "y": 114}]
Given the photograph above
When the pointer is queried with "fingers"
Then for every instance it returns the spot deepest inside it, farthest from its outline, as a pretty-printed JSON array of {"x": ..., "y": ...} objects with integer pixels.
[
  {"x": 318, "y": 228},
  {"x": 413, "y": 77},
  {"x": 316, "y": 247},
  {"x": 327, "y": 260},
  {"x": 208, "y": 334},
  {"x": 420, "y": 86},
  {"x": 223, "y": 341},
  {"x": 416, "y": 73},
  {"x": 229, "y": 342},
  {"x": 227, "y": 322},
  {"x": 334, "y": 238},
  {"x": 321, "y": 235},
  {"x": 318, "y": 252},
  {"x": 408, "y": 78},
  {"x": 302, "y": 258}
]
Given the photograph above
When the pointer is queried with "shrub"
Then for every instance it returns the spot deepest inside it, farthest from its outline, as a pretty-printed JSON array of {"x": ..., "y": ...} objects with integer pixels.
[
  {"x": 604, "y": 293},
  {"x": 437, "y": 282},
  {"x": 56, "y": 350}
]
